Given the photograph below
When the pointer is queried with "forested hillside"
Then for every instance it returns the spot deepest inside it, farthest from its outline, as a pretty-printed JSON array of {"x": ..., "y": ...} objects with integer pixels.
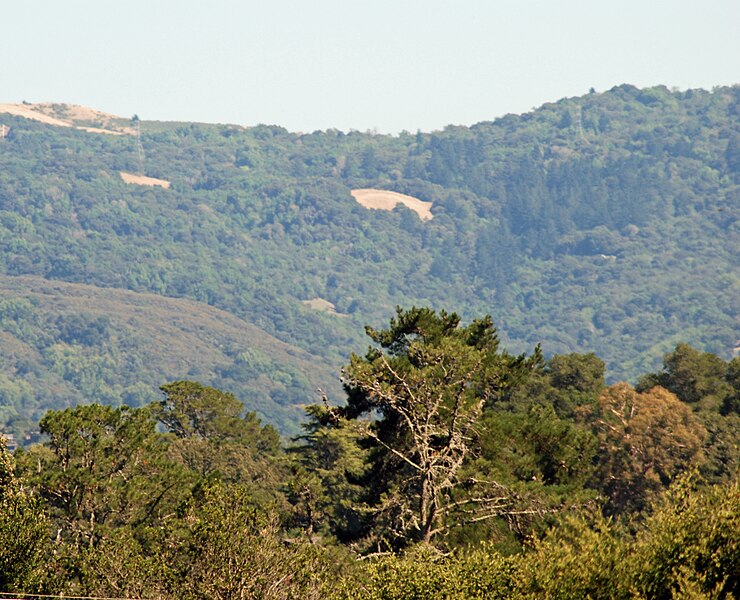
[
  {"x": 65, "y": 341},
  {"x": 605, "y": 223}
]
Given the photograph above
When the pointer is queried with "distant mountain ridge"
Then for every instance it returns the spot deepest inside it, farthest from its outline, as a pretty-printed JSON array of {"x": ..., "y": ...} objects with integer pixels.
[{"x": 605, "y": 223}]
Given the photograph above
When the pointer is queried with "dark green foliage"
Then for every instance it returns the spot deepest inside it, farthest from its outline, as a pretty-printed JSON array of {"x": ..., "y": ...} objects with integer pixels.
[
  {"x": 694, "y": 377},
  {"x": 191, "y": 410},
  {"x": 428, "y": 382},
  {"x": 98, "y": 471},
  {"x": 81, "y": 329},
  {"x": 580, "y": 374},
  {"x": 536, "y": 445},
  {"x": 214, "y": 437},
  {"x": 532, "y": 442},
  {"x": 136, "y": 512},
  {"x": 330, "y": 465},
  {"x": 731, "y": 402}
]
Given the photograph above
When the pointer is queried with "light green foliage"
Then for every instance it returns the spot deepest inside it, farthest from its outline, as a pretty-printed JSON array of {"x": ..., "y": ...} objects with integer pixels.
[
  {"x": 120, "y": 566},
  {"x": 422, "y": 573},
  {"x": 234, "y": 550},
  {"x": 220, "y": 544},
  {"x": 690, "y": 542},
  {"x": 579, "y": 558},
  {"x": 23, "y": 531},
  {"x": 14, "y": 394},
  {"x": 687, "y": 548}
]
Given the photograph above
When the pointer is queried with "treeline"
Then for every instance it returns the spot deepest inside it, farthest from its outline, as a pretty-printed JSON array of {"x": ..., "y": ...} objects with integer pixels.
[{"x": 453, "y": 469}]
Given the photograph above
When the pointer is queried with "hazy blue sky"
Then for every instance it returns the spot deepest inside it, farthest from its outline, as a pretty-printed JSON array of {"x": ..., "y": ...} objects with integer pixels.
[{"x": 390, "y": 65}]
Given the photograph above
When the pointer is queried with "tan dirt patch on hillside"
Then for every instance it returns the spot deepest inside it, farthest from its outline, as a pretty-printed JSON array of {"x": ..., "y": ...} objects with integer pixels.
[
  {"x": 144, "y": 180},
  {"x": 27, "y": 112},
  {"x": 75, "y": 112},
  {"x": 70, "y": 115},
  {"x": 386, "y": 200},
  {"x": 99, "y": 130},
  {"x": 323, "y": 306}
]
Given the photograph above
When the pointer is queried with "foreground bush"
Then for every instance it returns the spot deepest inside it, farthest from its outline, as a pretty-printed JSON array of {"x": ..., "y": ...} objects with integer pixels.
[
  {"x": 689, "y": 547},
  {"x": 691, "y": 544},
  {"x": 422, "y": 573}
]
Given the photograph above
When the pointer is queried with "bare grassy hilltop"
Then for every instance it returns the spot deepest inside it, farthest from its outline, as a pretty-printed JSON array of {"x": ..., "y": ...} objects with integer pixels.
[{"x": 71, "y": 115}]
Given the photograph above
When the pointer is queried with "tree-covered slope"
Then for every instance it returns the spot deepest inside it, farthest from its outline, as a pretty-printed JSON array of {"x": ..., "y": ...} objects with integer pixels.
[
  {"x": 65, "y": 343},
  {"x": 605, "y": 223}
]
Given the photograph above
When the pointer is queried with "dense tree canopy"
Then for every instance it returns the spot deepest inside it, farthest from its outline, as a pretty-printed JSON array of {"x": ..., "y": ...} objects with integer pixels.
[
  {"x": 454, "y": 469},
  {"x": 23, "y": 530}
]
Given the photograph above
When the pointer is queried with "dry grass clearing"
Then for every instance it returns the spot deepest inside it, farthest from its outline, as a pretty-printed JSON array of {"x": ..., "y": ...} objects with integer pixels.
[
  {"x": 385, "y": 200},
  {"x": 70, "y": 115},
  {"x": 76, "y": 112},
  {"x": 144, "y": 180},
  {"x": 99, "y": 130},
  {"x": 323, "y": 306},
  {"x": 29, "y": 112}
]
